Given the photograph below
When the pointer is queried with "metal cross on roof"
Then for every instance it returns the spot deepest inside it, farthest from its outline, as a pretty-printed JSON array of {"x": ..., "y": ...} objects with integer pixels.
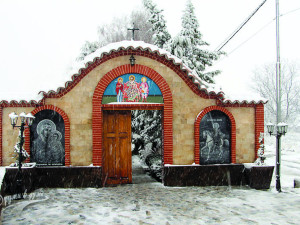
[{"x": 133, "y": 29}]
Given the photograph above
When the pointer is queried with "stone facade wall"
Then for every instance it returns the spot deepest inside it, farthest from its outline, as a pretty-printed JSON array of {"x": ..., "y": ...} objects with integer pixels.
[
  {"x": 10, "y": 135},
  {"x": 77, "y": 104},
  {"x": 245, "y": 133}
]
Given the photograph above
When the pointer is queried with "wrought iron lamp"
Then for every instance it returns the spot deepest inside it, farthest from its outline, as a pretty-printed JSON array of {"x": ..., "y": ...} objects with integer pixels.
[
  {"x": 132, "y": 60},
  {"x": 25, "y": 119},
  {"x": 281, "y": 129}
]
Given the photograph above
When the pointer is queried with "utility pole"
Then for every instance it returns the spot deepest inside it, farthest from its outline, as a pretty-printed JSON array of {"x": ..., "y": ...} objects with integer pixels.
[{"x": 278, "y": 100}]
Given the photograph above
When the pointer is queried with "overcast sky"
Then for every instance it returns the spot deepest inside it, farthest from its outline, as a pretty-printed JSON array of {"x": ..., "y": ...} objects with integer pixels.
[{"x": 39, "y": 39}]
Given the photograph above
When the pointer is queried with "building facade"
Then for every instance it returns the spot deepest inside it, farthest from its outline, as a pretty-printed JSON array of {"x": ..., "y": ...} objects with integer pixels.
[{"x": 86, "y": 122}]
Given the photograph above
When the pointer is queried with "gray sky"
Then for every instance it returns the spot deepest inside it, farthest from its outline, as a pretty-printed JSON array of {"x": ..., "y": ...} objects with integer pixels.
[{"x": 41, "y": 38}]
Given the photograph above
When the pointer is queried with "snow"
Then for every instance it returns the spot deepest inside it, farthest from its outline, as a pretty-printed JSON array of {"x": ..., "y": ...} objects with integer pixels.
[
  {"x": 2, "y": 173},
  {"x": 290, "y": 156},
  {"x": 13, "y": 115},
  {"x": 152, "y": 203}
]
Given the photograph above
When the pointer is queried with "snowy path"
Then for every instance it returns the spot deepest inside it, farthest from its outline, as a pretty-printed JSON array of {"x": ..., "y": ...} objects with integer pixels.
[{"x": 152, "y": 203}]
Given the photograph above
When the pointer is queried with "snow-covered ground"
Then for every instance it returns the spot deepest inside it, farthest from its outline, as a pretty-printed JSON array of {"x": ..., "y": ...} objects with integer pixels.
[
  {"x": 149, "y": 202},
  {"x": 290, "y": 156},
  {"x": 152, "y": 203}
]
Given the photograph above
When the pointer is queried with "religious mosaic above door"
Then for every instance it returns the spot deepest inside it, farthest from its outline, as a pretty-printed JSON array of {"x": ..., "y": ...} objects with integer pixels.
[
  {"x": 215, "y": 130},
  {"x": 47, "y": 139},
  {"x": 132, "y": 88}
]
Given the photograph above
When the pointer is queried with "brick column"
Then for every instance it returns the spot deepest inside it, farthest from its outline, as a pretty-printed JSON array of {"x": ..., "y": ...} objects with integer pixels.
[
  {"x": 1, "y": 114},
  {"x": 259, "y": 125}
]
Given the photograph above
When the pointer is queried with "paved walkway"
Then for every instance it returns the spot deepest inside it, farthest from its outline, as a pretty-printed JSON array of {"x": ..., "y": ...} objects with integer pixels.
[{"x": 149, "y": 202}]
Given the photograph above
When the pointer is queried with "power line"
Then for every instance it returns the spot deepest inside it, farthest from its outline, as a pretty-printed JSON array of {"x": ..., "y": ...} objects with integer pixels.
[
  {"x": 261, "y": 29},
  {"x": 240, "y": 27}
]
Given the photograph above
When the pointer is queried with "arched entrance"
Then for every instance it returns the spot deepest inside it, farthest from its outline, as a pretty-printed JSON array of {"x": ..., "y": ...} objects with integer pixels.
[{"x": 99, "y": 112}]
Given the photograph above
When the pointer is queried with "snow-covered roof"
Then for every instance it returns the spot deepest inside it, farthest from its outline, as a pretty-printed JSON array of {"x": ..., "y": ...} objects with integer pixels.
[{"x": 67, "y": 79}]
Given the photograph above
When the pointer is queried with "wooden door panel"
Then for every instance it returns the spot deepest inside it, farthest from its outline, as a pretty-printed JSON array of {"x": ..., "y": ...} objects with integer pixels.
[
  {"x": 117, "y": 147},
  {"x": 123, "y": 164}
]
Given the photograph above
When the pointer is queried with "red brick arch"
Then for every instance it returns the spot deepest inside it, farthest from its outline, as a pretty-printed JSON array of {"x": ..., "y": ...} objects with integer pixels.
[
  {"x": 167, "y": 109},
  {"x": 197, "y": 132},
  {"x": 67, "y": 131}
]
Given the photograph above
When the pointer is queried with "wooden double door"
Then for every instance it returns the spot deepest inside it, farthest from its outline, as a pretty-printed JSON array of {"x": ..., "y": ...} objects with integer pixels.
[{"x": 117, "y": 165}]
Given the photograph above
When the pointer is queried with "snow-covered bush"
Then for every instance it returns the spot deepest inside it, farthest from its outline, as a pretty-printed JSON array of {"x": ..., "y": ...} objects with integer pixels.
[
  {"x": 16, "y": 154},
  {"x": 261, "y": 151},
  {"x": 154, "y": 163}
]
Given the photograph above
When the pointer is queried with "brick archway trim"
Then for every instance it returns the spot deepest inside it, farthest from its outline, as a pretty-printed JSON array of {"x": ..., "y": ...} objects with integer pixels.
[
  {"x": 97, "y": 122},
  {"x": 197, "y": 132},
  {"x": 67, "y": 131}
]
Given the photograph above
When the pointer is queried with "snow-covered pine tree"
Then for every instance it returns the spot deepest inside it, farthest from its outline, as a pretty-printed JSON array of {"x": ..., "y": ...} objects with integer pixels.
[
  {"x": 161, "y": 35},
  {"x": 147, "y": 139},
  {"x": 87, "y": 48},
  {"x": 146, "y": 132},
  {"x": 188, "y": 46}
]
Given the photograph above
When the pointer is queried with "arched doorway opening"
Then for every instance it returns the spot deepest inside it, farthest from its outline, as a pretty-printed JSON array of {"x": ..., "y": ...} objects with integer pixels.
[{"x": 100, "y": 108}]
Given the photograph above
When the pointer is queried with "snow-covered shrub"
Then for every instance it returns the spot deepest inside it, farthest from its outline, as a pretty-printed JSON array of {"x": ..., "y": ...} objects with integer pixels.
[
  {"x": 154, "y": 162},
  {"x": 16, "y": 154},
  {"x": 261, "y": 151}
]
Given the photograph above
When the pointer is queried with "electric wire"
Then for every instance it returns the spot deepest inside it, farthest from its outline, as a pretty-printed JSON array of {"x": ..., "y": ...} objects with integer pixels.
[
  {"x": 240, "y": 27},
  {"x": 257, "y": 32}
]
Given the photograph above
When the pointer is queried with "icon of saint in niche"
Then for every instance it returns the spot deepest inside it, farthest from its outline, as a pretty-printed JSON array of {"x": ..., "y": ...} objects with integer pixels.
[
  {"x": 131, "y": 90},
  {"x": 119, "y": 89},
  {"x": 144, "y": 89},
  {"x": 47, "y": 147},
  {"x": 216, "y": 143},
  {"x": 56, "y": 153}
]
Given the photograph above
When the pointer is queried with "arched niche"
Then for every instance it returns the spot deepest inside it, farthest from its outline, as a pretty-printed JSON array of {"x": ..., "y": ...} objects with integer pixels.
[{"x": 215, "y": 136}]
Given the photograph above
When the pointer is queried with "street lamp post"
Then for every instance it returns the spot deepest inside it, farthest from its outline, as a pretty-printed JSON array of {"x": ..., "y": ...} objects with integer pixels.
[
  {"x": 278, "y": 101},
  {"x": 281, "y": 130},
  {"x": 25, "y": 119}
]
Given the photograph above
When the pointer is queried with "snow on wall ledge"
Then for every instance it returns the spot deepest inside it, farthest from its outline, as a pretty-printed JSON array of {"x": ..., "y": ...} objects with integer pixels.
[{"x": 67, "y": 79}]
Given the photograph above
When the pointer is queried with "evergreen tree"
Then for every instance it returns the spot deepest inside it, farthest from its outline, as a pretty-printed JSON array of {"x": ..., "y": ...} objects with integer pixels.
[
  {"x": 147, "y": 139},
  {"x": 161, "y": 35},
  {"x": 87, "y": 48},
  {"x": 188, "y": 46}
]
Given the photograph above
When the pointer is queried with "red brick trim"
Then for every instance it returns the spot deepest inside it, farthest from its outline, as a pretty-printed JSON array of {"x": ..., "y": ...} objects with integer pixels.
[
  {"x": 238, "y": 104},
  {"x": 1, "y": 115},
  {"x": 97, "y": 122},
  {"x": 139, "y": 52},
  {"x": 67, "y": 131},
  {"x": 259, "y": 125},
  {"x": 197, "y": 132},
  {"x": 133, "y": 107}
]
